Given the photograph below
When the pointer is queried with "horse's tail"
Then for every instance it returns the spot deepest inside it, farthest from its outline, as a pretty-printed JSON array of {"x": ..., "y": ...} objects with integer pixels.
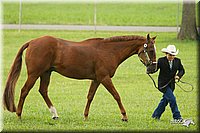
[{"x": 8, "y": 95}]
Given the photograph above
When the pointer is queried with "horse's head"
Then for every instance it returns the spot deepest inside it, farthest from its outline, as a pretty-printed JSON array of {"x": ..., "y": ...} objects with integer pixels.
[{"x": 147, "y": 54}]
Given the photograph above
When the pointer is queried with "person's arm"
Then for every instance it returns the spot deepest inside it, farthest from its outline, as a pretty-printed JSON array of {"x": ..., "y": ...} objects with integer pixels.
[
  {"x": 158, "y": 66},
  {"x": 181, "y": 71}
]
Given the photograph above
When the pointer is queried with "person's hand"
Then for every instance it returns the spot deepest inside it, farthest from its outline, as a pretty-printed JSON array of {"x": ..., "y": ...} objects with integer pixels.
[{"x": 177, "y": 78}]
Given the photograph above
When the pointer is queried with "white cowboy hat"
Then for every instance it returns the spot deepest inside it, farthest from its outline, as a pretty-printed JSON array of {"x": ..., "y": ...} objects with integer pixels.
[{"x": 171, "y": 49}]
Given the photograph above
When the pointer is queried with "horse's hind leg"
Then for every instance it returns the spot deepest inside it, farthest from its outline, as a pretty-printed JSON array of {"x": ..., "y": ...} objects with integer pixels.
[
  {"x": 93, "y": 87},
  {"x": 44, "y": 82},
  {"x": 24, "y": 92}
]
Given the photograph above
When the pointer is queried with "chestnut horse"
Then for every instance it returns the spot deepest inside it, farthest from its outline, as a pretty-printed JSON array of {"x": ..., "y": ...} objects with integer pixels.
[{"x": 96, "y": 59}]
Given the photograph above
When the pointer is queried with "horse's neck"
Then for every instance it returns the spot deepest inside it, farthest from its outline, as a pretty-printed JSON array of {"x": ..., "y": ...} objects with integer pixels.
[
  {"x": 128, "y": 51},
  {"x": 124, "y": 50}
]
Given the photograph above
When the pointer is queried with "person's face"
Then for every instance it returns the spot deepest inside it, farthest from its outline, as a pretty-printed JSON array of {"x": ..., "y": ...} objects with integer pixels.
[{"x": 170, "y": 57}]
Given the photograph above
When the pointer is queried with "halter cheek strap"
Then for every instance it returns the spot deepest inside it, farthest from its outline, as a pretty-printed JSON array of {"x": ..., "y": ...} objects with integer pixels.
[
  {"x": 149, "y": 62},
  {"x": 146, "y": 54}
]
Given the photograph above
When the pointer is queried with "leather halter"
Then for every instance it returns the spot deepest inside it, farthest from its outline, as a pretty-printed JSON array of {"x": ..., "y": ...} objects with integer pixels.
[{"x": 148, "y": 60}]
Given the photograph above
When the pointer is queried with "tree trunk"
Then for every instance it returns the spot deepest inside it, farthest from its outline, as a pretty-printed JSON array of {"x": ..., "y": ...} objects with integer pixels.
[{"x": 188, "y": 25}]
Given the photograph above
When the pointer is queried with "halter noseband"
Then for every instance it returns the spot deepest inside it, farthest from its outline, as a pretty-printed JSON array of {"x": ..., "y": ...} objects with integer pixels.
[{"x": 149, "y": 62}]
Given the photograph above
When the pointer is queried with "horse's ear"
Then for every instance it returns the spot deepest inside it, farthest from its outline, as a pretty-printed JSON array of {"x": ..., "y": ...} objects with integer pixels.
[
  {"x": 154, "y": 37},
  {"x": 148, "y": 37}
]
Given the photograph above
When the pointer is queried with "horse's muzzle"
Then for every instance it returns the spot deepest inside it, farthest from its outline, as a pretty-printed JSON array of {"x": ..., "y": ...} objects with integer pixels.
[{"x": 151, "y": 68}]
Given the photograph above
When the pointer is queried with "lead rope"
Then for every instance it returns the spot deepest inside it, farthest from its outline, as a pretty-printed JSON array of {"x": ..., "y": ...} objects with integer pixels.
[
  {"x": 176, "y": 84},
  {"x": 192, "y": 87}
]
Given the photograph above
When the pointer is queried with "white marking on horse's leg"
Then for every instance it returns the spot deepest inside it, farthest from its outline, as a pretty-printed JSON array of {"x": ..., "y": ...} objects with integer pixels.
[{"x": 53, "y": 112}]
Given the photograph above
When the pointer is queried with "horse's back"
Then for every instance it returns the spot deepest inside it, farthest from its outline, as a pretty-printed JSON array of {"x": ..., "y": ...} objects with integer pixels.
[{"x": 72, "y": 59}]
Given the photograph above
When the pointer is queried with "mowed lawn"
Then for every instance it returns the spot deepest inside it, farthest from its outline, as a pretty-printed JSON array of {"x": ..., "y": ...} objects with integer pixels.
[
  {"x": 110, "y": 13},
  {"x": 137, "y": 92}
]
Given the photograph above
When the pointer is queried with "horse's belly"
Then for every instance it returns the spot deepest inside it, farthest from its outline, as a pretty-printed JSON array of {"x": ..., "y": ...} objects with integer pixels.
[
  {"x": 76, "y": 72},
  {"x": 75, "y": 62}
]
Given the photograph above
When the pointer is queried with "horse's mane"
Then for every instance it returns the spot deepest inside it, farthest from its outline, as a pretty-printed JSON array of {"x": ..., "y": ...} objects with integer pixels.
[
  {"x": 118, "y": 38},
  {"x": 124, "y": 38},
  {"x": 93, "y": 39}
]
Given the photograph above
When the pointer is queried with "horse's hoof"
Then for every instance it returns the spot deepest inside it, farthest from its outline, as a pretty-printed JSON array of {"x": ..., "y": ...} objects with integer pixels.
[
  {"x": 85, "y": 118},
  {"x": 55, "y": 118},
  {"x": 19, "y": 117},
  {"x": 126, "y": 120}
]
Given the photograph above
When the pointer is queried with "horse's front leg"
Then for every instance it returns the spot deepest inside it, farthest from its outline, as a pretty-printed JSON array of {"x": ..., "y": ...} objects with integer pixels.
[
  {"x": 107, "y": 82},
  {"x": 93, "y": 87}
]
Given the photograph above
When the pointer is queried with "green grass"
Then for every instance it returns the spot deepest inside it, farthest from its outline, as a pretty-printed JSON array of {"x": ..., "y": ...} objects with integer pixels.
[
  {"x": 138, "y": 95},
  {"x": 147, "y": 14}
]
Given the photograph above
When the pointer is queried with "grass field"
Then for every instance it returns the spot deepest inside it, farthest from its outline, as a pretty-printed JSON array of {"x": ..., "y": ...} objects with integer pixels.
[
  {"x": 147, "y": 14},
  {"x": 138, "y": 95}
]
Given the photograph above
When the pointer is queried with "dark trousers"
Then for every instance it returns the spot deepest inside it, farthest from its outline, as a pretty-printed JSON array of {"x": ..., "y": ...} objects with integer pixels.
[{"x": 168, "y": 97}]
